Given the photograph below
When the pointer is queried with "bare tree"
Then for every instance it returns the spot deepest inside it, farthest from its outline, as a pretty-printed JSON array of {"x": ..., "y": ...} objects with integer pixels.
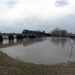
[
  {"x": 56, "y": 32},
  {"x": 59, "y": 33},
  {"x": 64, "y": 33}
]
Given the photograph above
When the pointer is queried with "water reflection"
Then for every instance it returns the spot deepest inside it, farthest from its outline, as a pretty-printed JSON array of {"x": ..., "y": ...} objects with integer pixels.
[
  {"x": 1, "y": 44},
  {"x": 41, "y": 51},
  {"x": 24, "y": 42},
  {"x": 58, "y": 41},
  {"x": 31, "y": 41}
]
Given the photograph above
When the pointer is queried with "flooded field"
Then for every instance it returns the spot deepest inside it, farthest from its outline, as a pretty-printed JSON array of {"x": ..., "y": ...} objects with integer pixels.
[{"x": 41, "y": 51}]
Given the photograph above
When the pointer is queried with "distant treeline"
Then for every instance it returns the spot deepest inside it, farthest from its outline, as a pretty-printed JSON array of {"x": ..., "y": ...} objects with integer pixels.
[
  {"x": 33, "y": 32},
  {"x": 54, "y": 33},
  {"x": 38, "y": 33},
  {"x": 60, "y": 33}
]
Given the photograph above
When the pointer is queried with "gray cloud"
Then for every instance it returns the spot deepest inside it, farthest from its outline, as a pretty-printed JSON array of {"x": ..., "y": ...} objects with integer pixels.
[
  {"x": 61, "y": 3},
  {"x": 34, "y": 23},
  {"x": 16, "y": 20},
  {"x": 10, "y": 3},
  {"x": 43, "y": 7}
]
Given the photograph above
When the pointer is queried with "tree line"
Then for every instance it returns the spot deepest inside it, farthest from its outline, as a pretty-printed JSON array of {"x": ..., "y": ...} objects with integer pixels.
[{"x": 59, "y": 32}]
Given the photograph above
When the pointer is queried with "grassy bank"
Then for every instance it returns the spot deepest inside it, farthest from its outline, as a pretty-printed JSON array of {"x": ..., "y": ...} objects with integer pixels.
[{"x": 9, "y": 66}]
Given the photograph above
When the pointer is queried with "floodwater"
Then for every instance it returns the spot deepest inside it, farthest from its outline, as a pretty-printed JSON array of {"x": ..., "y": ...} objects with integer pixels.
[{"x": 41, "y": 50}]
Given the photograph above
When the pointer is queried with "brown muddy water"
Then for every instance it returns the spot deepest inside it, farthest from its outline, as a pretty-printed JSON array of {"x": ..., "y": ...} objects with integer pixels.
[{"x": 46, "y": 51}]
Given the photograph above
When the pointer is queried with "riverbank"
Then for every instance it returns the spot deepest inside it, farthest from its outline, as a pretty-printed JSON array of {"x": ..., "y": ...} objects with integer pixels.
[{"x": 9, "y": 66}]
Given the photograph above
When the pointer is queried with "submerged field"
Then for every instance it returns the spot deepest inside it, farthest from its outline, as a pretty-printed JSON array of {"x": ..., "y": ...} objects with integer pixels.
[{"x": 9, "y": 66}]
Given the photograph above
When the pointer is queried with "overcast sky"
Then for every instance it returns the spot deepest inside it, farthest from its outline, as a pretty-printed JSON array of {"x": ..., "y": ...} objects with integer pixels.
[{"x": 16, "y": 15}]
